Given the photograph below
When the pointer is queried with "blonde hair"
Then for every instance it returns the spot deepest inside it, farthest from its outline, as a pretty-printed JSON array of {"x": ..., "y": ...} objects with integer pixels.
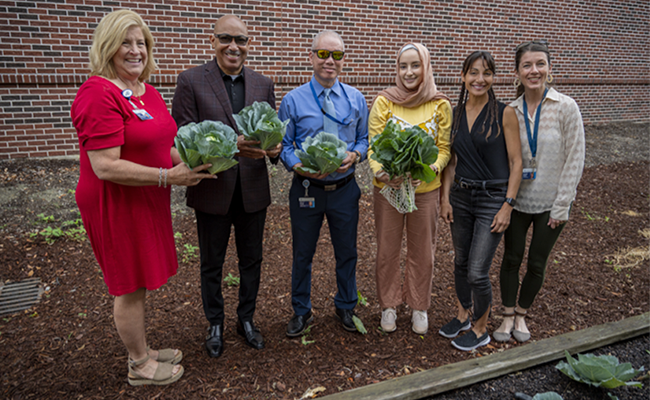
[{"x": 108, "y": 38}]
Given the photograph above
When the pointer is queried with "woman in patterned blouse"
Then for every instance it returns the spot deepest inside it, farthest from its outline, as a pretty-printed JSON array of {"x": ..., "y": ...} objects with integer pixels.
[{"x": 553, "y": 150}]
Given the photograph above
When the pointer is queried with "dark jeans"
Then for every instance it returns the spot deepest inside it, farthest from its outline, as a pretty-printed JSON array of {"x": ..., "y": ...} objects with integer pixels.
[
  {"x": 541, "y": 244},
  {"x": 341, "y": 207},
  {"x": 214, "y": 234},
  {"x": 474, "y": 245}
]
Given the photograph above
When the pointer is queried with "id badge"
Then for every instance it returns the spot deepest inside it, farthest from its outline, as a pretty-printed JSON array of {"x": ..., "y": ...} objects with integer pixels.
[
  {"x": 529, "y": 173},
  {"x": 142, "y": 114},
  {"x": 307, "y": 202}
]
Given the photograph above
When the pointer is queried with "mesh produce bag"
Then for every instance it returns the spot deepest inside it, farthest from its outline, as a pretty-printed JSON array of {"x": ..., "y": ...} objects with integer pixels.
[{"x": 403, "y": 199}]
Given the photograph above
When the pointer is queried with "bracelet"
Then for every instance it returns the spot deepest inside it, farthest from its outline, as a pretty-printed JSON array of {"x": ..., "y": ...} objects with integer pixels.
[
  {"x": 381, "y": 172},
  {"x": 165, "y": 182},
  {"x": 159, "y": 176}
]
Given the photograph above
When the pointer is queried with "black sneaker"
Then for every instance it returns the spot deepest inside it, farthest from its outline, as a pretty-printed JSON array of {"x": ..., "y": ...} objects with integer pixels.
[
  {"x": 469, "y": 341},
  {"x": 452, "y": 329}
]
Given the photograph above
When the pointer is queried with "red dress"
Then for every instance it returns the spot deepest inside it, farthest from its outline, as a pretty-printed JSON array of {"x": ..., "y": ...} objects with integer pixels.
[{"x": 130, "y": 227}]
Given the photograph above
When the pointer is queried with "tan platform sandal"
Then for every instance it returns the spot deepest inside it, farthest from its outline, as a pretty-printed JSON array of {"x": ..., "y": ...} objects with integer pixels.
[
  {"x": 163, "y": 376},
  {"x": 168, "y": 356}
]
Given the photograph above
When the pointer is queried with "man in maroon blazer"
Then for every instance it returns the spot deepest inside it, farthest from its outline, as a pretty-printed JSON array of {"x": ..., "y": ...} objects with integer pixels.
[{"x": 214, "y": 91}]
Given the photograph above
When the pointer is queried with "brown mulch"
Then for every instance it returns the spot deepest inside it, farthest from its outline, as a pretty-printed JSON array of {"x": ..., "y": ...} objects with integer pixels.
[{"x": 67, "y": 346}]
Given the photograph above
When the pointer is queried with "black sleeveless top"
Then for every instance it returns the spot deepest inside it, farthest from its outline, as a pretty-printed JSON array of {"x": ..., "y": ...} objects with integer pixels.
[{"x": 482, "y": 159}]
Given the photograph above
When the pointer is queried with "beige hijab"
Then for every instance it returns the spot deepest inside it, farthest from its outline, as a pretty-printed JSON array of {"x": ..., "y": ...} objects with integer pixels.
[{"x": 425, "y": 92}]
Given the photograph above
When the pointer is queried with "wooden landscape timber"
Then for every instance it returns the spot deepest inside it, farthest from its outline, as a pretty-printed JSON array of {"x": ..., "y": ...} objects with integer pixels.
[{"x": 465, "y": 373}]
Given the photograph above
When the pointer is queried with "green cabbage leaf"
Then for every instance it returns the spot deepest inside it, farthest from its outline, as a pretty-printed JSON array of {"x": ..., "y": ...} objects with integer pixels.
[
  {"x": 322, "y": 154},
  {"x": 260, "y": 122},
  {"x": 600, "y": 371},
  {"x": 402, "y": 151},
  {"x": 207, "y": 142}
]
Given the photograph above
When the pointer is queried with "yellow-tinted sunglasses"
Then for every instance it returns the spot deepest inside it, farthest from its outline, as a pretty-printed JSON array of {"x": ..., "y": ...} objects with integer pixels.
[{"x": 325, "y": 54}]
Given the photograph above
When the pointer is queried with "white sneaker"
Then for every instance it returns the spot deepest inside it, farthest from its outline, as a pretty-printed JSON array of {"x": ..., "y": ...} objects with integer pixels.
[
  {"x": 388, "y": 317},
  {"x": 420, "y": 322}
]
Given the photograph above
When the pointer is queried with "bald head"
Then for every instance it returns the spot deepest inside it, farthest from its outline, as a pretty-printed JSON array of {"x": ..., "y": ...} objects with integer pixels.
[
  {"x": 230, "y": 21},
  {"x": 230, "y": 43}
]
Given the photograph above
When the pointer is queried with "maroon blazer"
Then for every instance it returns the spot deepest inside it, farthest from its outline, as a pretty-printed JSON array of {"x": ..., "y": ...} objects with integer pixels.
[{"x": 201, "y": 95}]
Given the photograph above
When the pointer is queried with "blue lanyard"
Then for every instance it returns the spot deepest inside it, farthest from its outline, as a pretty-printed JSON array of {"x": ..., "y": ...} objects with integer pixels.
[
  {"x": 349, "y": 121},
  {"x": 532, "y": 139}
]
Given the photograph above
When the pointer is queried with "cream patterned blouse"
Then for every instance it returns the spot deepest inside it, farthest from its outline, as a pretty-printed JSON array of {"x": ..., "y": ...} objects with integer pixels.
[{"x": 560, "y": 156}]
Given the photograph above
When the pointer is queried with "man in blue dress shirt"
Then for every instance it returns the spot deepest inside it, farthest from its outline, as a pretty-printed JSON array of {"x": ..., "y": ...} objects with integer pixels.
[{"x": 324, "y": 104}]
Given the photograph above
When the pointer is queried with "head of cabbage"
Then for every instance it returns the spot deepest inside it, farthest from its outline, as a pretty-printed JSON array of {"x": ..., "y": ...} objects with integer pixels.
[
  {"x": 207, "y": 142},
  {"x": 322, "y": 154},
  {"x": 260, "y": 122}
]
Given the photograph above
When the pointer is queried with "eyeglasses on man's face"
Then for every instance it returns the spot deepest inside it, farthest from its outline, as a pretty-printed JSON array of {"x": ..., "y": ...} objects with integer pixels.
[
  {"x": 323, "y": 54},
  {"x": 224, "y": 38}
]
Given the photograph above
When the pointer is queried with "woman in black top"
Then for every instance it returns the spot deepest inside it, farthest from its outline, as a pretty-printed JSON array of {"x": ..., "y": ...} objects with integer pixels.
[{"x": 478, "y": 193}]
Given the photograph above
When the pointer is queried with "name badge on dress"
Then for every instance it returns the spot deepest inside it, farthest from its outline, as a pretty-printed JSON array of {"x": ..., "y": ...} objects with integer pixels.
[{"x": 142, "y": 114}]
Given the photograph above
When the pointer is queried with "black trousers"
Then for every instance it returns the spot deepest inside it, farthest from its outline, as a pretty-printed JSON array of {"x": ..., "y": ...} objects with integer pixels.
[{"x": 214, "y": 233}]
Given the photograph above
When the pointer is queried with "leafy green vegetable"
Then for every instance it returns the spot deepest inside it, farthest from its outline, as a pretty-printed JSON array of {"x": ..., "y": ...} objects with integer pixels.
[
  {"x": 600, "y": 371},
  {"x": 260, "y": 122},
  {"x": 400, "y": 152},
  {"x": 408, "y": 153},
  {"x": 207, "y": 142},
  {"x": 323, "y": 153}
]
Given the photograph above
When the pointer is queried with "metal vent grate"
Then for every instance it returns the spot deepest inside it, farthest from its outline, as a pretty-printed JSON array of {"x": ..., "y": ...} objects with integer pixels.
[{"x": 18, "y": 296}]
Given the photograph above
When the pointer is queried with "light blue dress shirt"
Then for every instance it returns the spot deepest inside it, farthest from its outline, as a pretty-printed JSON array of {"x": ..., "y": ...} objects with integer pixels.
[{"x": 306, "y": 120}]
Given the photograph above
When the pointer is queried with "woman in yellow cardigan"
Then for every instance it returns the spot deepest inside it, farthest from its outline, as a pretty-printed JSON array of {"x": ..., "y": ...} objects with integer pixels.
[{"x": 414, "y": 101}]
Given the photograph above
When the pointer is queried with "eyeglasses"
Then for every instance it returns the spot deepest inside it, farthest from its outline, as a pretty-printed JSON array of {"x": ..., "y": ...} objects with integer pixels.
[
  {"x": 224, "y": 38},
  {"x": 541, "y": 42},
  {"x": 325, "y": 54}
]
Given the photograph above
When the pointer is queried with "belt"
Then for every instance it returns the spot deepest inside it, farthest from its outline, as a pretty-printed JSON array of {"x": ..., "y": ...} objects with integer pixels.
[
  {"x": 470, "y": 184},
  {"x": 329, "y": 186}
]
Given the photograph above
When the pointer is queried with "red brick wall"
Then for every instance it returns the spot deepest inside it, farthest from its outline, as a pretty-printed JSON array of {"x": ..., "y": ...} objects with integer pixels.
[{"x": 599, "y": 49}]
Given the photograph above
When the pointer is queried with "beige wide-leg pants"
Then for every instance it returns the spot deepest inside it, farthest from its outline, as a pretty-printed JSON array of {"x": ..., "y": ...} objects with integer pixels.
[{"x": 420, "y": 250}]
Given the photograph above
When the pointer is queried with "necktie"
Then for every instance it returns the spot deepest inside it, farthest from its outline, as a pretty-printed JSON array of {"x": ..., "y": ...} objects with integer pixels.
[{"x": 329, "y": 126}]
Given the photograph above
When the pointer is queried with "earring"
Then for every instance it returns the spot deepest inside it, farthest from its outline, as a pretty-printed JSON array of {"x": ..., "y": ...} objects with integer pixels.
[
  {"x": 516, "y": 82},
  {"x": 549, "y": 78}
]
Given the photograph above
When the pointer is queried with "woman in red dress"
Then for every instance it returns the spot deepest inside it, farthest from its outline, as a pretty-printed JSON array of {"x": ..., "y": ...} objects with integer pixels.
[{"x": 128, "y": 165}]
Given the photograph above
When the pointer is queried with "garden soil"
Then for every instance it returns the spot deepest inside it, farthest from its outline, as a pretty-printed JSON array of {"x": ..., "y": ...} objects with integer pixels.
[{"x": 66, "y": 346}]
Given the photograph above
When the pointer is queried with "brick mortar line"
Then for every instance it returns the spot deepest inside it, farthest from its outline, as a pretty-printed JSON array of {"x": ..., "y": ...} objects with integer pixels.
[{"x": 163, "y": 79}]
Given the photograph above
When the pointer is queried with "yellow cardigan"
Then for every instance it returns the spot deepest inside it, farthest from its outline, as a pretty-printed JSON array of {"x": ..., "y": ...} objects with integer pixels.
[{"x": 434, "y": 117}]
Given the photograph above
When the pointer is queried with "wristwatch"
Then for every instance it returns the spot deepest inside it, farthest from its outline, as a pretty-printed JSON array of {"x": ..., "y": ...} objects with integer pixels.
[
  {"x": 511, "y": 201},
  {"x": 356, "y": 160}
]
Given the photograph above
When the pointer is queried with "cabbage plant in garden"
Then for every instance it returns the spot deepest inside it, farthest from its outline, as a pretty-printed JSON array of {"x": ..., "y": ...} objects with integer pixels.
[
  {"x": 207, "y": 142},
  {"x": 599, "y": 371},
  {"x": 260, "y": 122}
]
